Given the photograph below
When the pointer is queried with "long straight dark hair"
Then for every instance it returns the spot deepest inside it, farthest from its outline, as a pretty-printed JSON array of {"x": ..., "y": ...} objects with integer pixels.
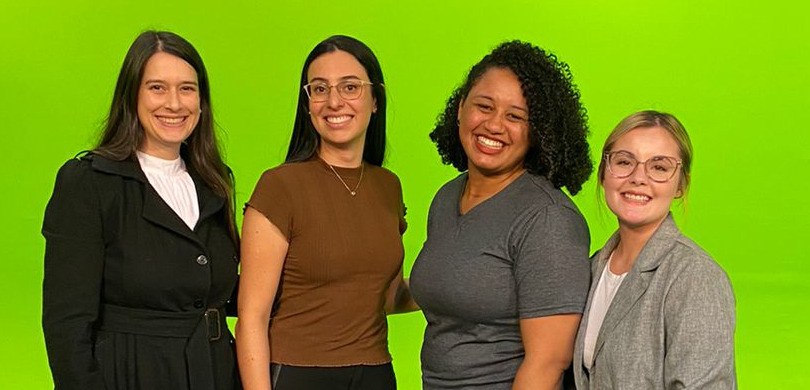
[
  {"x": 123, "y": 133},
  {"x": 305, "y": 140}
]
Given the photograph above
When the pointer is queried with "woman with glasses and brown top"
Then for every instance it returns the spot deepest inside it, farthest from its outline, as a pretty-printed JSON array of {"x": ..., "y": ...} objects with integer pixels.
[
  {"x": 660, "y": 311},
  {"x": 322, "y": 247}
]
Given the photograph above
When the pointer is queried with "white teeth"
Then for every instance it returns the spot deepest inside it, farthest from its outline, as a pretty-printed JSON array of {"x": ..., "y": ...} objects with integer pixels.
[
  {"x": 638, "y": 198},
  {"x": 171, "y": 121},
  {"x": 338, "y": 119},
  {"x": 489, "y": 142}
]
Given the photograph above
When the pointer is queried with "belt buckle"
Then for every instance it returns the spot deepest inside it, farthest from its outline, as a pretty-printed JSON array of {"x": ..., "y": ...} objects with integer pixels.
[{"x": 213, "y": 321}]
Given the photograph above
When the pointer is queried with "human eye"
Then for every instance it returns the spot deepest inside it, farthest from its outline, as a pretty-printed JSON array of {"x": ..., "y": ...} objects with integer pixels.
[
  {"x": 155, "y": 87},
  {"x": 623, "y": 159},
  {"x": 484, "y": 107},
  {"x": 188, "y": 88},
  {"x": 662, "y": 164},
  {"x": 515, "y": 117},
  {"x": 350, "y": 86},
  {"x": 319, "y": 89}
]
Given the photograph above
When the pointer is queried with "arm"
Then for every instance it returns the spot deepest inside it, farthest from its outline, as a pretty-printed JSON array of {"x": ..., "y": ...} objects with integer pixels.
[
  {"x": 264, "y": 248},
  {"x": 549, "y": 345},
  {"x": 398, "y": 298},
  {"x": 71, "y": 289},
  {"x": 699, "y": 318},
  {"x": 552, "y": 278}
]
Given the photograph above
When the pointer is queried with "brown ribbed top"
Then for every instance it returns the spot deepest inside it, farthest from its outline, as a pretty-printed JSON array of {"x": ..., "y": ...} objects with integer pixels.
[{"x": 344, "y": 252}]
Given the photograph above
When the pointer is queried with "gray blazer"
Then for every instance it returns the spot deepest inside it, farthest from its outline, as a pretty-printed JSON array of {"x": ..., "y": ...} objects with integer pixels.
[{"x": 670, "y": 325}]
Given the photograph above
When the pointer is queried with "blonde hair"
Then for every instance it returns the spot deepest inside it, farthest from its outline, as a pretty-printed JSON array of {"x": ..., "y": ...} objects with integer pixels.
[{"x": 647, "y": 119}]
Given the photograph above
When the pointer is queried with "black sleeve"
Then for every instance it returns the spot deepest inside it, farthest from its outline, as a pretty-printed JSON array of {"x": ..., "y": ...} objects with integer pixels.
[{"x": 74, "y": 263}]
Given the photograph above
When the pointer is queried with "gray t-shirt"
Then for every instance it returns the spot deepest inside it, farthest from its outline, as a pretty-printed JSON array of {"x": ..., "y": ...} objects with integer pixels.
[{"x": 523, "y": 253}]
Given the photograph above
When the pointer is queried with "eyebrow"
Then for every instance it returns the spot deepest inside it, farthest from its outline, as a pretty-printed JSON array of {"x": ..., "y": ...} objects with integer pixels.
[
  {"x": 526, "y": 110},
  {"x": 344, "y": 78},
  {"x": 163, "y": 81}
]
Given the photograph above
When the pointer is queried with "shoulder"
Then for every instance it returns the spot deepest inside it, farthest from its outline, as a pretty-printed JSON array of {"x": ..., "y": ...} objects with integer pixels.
[
  {"x": 537, "y": 195},
  {"x": 78, "y": 170},
  {"x": 695, "y": 263},
  {"x": 382, "y": 173}
]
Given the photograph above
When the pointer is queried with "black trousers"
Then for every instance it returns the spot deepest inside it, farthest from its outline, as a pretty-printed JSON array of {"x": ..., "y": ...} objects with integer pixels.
[{"x": 333, "y": 378}]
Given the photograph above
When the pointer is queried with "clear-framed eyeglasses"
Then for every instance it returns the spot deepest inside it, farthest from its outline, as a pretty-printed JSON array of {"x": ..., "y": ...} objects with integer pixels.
[
  {"x": 660, "y": 169},
  {"x": 319, "y": 91}
]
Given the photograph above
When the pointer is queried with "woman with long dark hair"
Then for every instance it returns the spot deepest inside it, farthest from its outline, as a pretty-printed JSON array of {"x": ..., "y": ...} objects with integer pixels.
[
  {"x": 322, "y": 239},
  {"x": 141, "y": 245}
]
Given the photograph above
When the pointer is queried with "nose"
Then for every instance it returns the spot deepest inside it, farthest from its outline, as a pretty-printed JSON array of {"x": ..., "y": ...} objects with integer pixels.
[
  {"x": 639, "y": 174},
  {"x": 334, "y": 101},
  {"x": 173, "y": 100},
  {"x": 494, "y": 124}
]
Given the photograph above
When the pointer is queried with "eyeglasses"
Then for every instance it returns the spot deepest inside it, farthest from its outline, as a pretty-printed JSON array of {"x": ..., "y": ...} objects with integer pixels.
[
  {"x": 659, "y": 169},
  {"x": 319, "y": 91}
]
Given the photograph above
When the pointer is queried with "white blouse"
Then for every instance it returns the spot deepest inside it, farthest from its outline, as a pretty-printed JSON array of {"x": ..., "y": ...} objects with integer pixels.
[
  {"x": 173, "y": 183},
  {"x": 602, "y": 297}
]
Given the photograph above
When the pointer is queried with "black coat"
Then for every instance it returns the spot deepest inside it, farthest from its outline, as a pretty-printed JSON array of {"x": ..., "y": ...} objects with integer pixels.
[{"x": 128, "y": 286}]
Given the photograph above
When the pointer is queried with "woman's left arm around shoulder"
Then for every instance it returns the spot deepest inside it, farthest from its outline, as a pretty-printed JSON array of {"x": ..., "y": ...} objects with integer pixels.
[
  {"x": 549, "y": 345},
  {"x": 700, "y": 320}
]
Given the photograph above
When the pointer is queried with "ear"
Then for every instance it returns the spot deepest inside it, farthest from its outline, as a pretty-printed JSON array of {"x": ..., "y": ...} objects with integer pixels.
[{"x": 678, "y": 194}]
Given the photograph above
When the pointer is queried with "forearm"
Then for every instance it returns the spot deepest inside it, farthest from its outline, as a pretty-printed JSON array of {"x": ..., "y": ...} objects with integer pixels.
[
  {"x": 399, "y": 299},
  {"x": 534, "y": 374},
  {"x": 253, "y": 354}
]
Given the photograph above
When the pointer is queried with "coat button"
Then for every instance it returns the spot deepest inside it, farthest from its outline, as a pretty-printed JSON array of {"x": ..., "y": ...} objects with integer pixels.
[
  {"x": 202, "y": 260},
  {"x": 199, "y": 304}
]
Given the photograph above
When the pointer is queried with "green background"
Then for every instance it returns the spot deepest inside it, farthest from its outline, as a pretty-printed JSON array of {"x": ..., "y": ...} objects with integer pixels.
[{"x": 735, "y": 73}]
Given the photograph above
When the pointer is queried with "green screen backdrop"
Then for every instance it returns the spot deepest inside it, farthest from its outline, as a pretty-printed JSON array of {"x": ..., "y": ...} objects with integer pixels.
[{"x": 735, "y": 73}]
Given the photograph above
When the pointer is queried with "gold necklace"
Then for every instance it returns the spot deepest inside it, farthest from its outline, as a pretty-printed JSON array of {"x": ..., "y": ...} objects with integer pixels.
[{"x": 353, "y": 192}]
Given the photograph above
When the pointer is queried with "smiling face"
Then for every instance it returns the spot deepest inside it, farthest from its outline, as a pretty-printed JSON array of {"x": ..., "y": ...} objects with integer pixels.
[
  {"x": 341, "y": 124},
  {"x": 637, "y": 201},
  {"x": 494, "y": 124},
  {"x": 168, "y": 104}
]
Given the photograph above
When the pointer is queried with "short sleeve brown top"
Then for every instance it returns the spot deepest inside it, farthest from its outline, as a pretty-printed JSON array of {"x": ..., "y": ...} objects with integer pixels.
[{"x": 344, "y": 252}]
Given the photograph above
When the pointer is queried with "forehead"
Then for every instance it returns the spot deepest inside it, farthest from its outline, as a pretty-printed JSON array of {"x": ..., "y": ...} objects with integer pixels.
[
  {"x": 645, "y": 142},
  {"x": 335, "y": 65},
  {"x": 499, "y": 84},
  {"x": 168, "y": 67}
]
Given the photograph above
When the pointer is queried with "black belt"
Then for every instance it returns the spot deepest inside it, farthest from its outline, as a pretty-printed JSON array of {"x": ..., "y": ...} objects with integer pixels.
[{"x": 200, "y": 327}]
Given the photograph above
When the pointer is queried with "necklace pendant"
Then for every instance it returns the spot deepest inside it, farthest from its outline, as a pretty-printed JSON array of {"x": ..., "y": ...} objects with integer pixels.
[{"x": 354, "y": 193}]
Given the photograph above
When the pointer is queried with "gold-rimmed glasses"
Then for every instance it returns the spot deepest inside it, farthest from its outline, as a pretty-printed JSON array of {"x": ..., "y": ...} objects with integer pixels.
[{"x": 319, "y": 91}]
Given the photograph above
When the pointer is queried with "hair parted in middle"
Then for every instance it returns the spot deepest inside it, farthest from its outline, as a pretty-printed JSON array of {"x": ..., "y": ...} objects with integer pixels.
[
  {"x": 305, "y": 140},
  {"x": 558, "y": 126},
  {"x": 123, "y": 132}
]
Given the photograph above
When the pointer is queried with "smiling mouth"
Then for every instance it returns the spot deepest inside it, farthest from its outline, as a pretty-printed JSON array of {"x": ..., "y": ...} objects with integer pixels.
[
  {"x": 488, "y": 142},
  {"x": 636, "y": 197},
  {"x": 338, "y": 119},
  {"x": 171, "y": 121}
]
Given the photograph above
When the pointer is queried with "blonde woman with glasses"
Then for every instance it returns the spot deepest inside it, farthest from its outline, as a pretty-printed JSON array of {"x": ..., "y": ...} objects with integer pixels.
[{"x": 660, "y": 312}]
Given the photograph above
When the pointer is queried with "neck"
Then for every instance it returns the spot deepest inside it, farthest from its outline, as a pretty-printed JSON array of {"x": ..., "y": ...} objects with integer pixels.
[
  {"x": 341, "y": 157},
  {"x": 631, "y": 241},
  {"x": 481, "y": 187},
  {"x": 161, "y": 153}
]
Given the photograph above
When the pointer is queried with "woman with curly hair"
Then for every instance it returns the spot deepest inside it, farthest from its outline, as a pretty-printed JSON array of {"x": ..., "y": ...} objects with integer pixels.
[{"x": 503, "y": 275}]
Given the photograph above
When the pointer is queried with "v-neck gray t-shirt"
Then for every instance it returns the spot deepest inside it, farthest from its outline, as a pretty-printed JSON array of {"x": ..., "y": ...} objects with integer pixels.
[{"x": 523, "y": 253}]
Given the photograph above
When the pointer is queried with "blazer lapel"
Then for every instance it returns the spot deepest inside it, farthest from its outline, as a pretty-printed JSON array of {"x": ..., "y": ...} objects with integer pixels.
[
  {"x": 209, "y": 202},
  {"x": 158, "y": 212},
  {"x": 638, "y": 279}
]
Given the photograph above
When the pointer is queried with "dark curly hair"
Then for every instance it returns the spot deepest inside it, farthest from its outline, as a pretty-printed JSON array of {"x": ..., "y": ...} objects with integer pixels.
[{"x": 558, "y": 126}]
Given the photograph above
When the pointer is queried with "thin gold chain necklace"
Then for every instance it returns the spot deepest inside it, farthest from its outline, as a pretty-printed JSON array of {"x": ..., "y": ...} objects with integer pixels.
[{"x": 353, "y": 192}]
